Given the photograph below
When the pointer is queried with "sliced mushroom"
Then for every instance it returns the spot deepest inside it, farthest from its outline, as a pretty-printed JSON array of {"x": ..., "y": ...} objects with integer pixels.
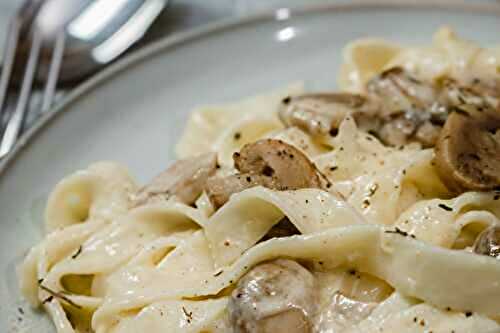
[
  {"x": 398, "y": 90},
  {"x": 219, "y": 189},
  {"x": 427, "y": 134},
  {"x": 474, "y": 98},
  {"x": 275, "y": 296},
  {"x": 398, "y": 128},
  {"x": 287, "y": 165},
  {"x": 398, "y": 109},
  {"x": 468, "y": 151},
  {"x": 185, "y": 180},
  {"x": 270, "y": 163},
  {"x": 410, "y": 111},
  {"x": 320, "y": 114},
  {"x": 488, "y": 242}
]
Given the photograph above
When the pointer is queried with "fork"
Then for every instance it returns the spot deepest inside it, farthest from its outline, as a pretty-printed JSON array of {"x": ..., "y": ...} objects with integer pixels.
[{"x": 21, "y": 26}]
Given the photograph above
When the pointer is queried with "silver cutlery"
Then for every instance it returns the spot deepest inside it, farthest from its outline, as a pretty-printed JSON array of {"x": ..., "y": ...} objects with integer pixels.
[{"x": 62, "y": 42}]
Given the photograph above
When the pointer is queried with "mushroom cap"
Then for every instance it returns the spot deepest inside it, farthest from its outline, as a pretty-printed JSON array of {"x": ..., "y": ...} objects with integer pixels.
[
  {"x": 278, "y": 160},
  {"x": 468, "y": 151},
  {"x": 270, "y": 163},
  {"x": 275, "y": 294},
  {"x": 219, "y": 189},
  {"x": 185, "y": 179},
  {"x": 319, "y": 113},
  {"x": 488, "y": 242}
]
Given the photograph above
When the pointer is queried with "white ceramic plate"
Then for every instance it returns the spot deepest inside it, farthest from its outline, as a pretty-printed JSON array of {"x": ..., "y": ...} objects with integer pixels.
[{"x": 135, "y": 111}]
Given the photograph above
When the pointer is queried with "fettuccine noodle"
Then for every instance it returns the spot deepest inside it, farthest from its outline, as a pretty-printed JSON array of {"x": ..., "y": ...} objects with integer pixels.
[{"x": 387, "y": 232}]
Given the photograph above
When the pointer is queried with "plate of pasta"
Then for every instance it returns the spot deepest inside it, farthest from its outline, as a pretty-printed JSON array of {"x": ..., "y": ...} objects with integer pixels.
[{"x": 334, "y": 169}]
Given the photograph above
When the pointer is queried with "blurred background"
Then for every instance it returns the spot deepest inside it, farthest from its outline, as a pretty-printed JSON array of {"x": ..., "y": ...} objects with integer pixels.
[{"x": 17, "y": 114}]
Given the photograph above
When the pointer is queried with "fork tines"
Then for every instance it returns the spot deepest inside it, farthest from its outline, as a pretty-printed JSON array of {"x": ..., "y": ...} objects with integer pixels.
[{"x": 15, "y": 120}]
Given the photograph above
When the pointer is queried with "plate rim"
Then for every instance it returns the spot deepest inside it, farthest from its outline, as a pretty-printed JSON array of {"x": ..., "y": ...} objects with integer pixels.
[{"x": 219, "y": 26}]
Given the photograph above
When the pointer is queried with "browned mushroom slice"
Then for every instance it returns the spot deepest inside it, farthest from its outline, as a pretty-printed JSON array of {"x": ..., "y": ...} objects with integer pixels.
[
  {"x": 488, "y": 87},
  {"x": 473, "y": 98},
  {"x": 410, "y": 111},
  {"x": 468, "y": 151},
  {"x": 275, "y": 296},
  {"x": 285, "y": 164},
  {"x": 398, "y": 128},
  {"x": 399, "y": 109},
  {"x": 398, "y": 90},
  {"x": 270, "y": 163},
  {"x": 185, "y": 180},
  {"x": 219, "y": 189},
  {"x": 322, "y": 113},
  {"x": 488, "y": 242},
  {"x": 427, "y": 134}
]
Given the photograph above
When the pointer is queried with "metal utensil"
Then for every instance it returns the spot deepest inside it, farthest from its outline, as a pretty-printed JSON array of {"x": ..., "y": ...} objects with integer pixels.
[
  {"x": 21, "y": 26},
  {"x": 68, "y": 40},
  {"x": 97, "y": 32}
]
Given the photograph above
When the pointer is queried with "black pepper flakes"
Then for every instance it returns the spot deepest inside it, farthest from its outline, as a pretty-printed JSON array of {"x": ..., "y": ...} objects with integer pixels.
[
  {"x": 333, "y": 168},
  {"x": 373, "y": 189},
  {"x": 189, "y": 315},
  {"x": 286, "y": 100},
  {"x": 237, "y": 136},
  {"x": 446, "y": 208},
  {"x": 397, "y": 231},
  {"x": 48, "y": 300},
  {"x": 366, "y": 203},
  {"x": 333, "y": 131},
  {"x": 77, "y": 253},
  {"x": 468, "y": 314}
]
